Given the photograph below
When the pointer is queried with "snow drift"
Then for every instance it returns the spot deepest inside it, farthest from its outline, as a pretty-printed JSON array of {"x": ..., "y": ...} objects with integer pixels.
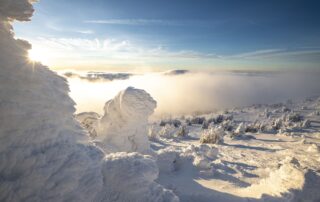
[{"x": 44, "y": 153}]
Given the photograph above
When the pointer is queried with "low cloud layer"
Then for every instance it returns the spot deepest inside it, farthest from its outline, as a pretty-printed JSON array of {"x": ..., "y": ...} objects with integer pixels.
[
  {"x": 202, "y": 92},
  {"x": 99, "y": 76},
  {"x": 176, "y": 72}
]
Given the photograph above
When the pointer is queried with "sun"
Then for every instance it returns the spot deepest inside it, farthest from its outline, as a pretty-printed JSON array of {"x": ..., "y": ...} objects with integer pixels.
[{"x": 38, "y": 55}]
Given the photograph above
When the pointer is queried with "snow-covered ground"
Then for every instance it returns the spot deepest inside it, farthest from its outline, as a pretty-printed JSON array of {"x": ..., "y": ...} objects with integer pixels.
[
  {"x": 256, "y": 153},
  {"x": 265, "y": 160}
]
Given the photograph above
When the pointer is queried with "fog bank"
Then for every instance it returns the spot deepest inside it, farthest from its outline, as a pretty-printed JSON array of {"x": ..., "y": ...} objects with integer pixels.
[{"x": 200, "y": 92}]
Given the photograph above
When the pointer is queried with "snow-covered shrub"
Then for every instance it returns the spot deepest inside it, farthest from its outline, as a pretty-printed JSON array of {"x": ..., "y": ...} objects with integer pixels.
[
  {"x": 286, "y": 110},
  {"x": 162, "y": 123},
  {"x": 277, "y": 124},
  {"x": 212, "y": 136},
  {"x": 175, "y": 122},
  {"x": 182, "y": 132},
  {"x": 262, "y": 127},
  {"x": 205, "y": 125},
  {"x": 211, "y": 121},
  {"x": 227, "y": 125},
  {"x": 123, "y": 126},
  {"x": 198, "y": 120},
  {"x": 168, "y": 131},
  {"x": 315, "y": 113},
  {"x": 251, "y": 129},
  {"x": 188, "y": 122},
  {"x": 167, "y": 160},
  {"x": 240, "y": 129},
  {"x": 219, "y": 118},
  {"x": 306, "y": 123},
  {"x": 153, "y": 133},
  {"x": 295, "y": 117}
]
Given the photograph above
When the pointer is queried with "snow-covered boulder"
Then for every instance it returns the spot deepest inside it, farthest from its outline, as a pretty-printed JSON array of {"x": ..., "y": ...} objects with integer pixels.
[
  {"x": 201, "y": 162},
  {"x": 168, "y": 160},
  {"x": 123, "y": 127},
  {"x": 123, "y": 172},
  {"x": 201, "y": 155},
  {"x": 89, "y": 121}
]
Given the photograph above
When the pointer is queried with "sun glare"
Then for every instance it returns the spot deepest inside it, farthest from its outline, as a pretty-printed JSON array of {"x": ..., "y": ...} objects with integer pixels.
[{"x": 38, "y": 55}]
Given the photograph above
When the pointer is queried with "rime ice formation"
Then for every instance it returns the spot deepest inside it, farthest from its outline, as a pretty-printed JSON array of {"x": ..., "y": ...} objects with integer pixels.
[
  {"x": 124, "y": 124},
  {"x": 125, "y": 172},
  {"x": 44, "y": 153}
]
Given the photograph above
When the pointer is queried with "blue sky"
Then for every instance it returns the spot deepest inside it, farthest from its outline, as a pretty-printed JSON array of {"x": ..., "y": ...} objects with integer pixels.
[{"x": 164, "y": 34}]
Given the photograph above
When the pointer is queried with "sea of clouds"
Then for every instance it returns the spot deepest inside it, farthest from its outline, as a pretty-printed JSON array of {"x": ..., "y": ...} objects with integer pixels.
[{"x": 187, "y": 92}]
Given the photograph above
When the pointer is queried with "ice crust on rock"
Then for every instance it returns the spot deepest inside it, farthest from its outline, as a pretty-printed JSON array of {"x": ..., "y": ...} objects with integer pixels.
[
  {"x": 44, "y": 153},
  {"x": 123, "y": 127}
]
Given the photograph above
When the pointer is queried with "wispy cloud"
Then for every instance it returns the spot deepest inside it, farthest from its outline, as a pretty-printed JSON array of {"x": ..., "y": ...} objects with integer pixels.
[
  {"x": 270, "y": 53},
  {"x": 136, "y": 22},
  {"x": 85, "y": 31},
  {"x": 57, "y": 28},
  {"x": 96, "y": 51}
]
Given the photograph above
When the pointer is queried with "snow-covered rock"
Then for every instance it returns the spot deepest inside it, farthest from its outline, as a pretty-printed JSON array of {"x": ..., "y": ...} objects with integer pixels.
[
  {"x": 44, "y": 153},
  {"x": 201, "y": 155},
  {"x": 125, "y": 172},
  {"x": 167, "y": 160},
  {"x": 123, "y": 127},
  {"x": 89, "y": 121}
]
